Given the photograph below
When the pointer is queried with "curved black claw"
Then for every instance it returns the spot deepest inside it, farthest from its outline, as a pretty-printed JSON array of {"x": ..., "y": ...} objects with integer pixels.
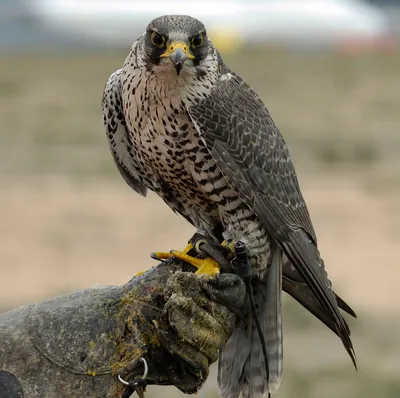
[{"x": 209, "y": 248}]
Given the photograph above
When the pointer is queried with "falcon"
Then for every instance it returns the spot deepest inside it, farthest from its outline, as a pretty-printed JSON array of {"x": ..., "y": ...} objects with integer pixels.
[{"x": 182, "y": 124}]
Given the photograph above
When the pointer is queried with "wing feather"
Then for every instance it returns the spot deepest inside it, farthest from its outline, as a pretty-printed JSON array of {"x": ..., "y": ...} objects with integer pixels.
[
  {"x": 117, "y": 134},
  {"x": 249, "y": 149}
]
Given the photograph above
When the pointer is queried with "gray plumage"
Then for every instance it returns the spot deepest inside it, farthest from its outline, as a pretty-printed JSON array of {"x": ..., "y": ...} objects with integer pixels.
[{"x": 182, "y": 124}]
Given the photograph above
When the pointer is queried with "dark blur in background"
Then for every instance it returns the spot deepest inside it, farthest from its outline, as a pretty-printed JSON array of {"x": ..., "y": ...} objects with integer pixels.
[{"x": 328, "y": 70}]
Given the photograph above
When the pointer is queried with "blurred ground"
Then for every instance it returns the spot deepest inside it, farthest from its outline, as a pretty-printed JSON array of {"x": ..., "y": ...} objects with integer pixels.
[{"x": 68, "y": 221}]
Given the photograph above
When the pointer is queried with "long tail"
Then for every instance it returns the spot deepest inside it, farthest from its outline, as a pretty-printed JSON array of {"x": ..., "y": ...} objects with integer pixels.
[
  {"x": 242, "y": 364},
  {"x": 232, "y": 359}
]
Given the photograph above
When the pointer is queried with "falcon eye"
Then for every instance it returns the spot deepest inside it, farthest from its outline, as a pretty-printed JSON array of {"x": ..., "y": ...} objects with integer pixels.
[
  {"x": 197, "y": 40},
  {"x": 157, "y": 39}
]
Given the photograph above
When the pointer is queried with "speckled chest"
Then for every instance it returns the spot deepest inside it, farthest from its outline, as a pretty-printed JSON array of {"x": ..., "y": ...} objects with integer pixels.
[{"x": 164, "y": 140}]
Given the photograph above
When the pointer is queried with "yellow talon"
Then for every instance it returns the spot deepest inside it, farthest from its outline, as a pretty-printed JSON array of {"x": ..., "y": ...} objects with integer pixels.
[
  {"x": 208, "y": 267},
  {"x": 187, "y": 248},
  {"x": 205, "y": 266},
  {"x": 161, "y": 255},
  {"x": 167, "y": 255}
]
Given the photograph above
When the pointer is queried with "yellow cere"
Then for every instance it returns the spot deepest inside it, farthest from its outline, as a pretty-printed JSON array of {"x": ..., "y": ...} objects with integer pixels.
[{"x": 174, "y": 46}]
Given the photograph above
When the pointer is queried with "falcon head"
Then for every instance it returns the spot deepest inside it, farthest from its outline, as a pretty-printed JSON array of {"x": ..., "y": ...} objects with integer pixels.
[{"x": 175, "y": 41}]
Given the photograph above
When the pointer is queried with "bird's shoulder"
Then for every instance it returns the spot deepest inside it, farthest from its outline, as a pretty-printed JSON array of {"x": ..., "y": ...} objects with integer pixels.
[
  {"x": 231, "y": 93},
  {"x": 112, "y": 90}
]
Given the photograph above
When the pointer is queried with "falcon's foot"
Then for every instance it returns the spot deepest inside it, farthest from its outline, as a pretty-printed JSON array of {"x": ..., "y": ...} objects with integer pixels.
[
  {"x": 205, "y": 266},
  {"x": 167, "y": 255},
  {"x": 214, "y": 256}
]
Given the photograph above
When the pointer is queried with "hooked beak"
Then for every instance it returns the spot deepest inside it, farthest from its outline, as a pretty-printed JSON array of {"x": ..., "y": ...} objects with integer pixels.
[{"x": 178, "y": 53}]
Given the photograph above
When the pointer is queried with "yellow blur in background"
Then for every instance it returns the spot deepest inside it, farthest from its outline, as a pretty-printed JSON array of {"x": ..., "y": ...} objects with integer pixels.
[{"x": 68, "y": 220}]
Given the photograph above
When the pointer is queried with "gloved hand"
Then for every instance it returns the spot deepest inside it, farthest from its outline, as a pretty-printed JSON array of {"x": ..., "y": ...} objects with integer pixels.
[
  {"x": 180, "y": 323},
  {"x": 77, "y": 344}
]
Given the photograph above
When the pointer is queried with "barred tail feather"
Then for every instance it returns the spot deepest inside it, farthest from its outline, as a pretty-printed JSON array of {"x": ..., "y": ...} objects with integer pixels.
[
  {"x": 231, "y": 363},
  {"x": 242, "y": 364},
  {"x": 272, "y": 318},
  {"x": 268, "y": 298}
]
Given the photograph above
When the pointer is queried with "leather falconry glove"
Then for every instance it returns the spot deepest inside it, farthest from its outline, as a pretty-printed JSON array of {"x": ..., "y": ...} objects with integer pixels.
[{"x": 78, "y": 344}]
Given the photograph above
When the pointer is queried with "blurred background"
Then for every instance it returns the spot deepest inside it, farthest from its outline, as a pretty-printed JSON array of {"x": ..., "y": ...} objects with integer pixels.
[{"x": 329, "y": 72}]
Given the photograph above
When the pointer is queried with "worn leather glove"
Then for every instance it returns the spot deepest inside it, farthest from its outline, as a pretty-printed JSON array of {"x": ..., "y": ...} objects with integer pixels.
[
  {"x": 180, "y": 322},
  {"x": 77, "y": 344}
]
